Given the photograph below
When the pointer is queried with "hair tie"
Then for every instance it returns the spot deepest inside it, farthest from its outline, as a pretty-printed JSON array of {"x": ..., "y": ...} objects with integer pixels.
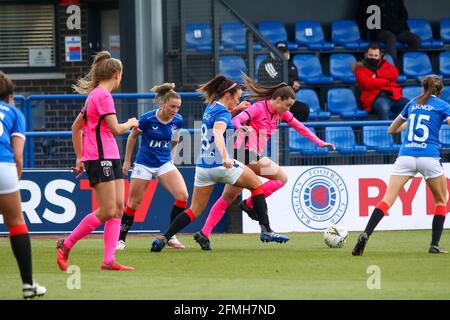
[{"x": 234, "y": 85}]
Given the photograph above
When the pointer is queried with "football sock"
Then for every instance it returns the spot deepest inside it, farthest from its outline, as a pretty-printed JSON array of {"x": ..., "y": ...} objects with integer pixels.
[
  {"x": 180, "y": 222},
  {"x": 21, "y": 247},
  {"x": 126, "y": 223},
  {"x": 177, "y": 209},
  {"x": 110, "y": 236},
  {"x": 269, "y": 188},
  {"x": 216, "y": 213},
  {"x": 378, "y": 213},
  {"x": 260, "y": 206},
  {"x": 438, "y": 224},
  {"x": 86, "y": 226}
]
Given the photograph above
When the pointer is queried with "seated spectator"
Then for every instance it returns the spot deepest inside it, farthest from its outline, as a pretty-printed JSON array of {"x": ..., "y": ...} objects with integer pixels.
[
  {"x": 394, "y": 26},
  {"x": 376, "y": 78},
  {"x": 270, "y": 73}
]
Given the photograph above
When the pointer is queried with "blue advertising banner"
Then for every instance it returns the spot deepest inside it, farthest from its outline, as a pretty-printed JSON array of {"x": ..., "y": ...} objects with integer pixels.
[{"x": 54, "y": 202}]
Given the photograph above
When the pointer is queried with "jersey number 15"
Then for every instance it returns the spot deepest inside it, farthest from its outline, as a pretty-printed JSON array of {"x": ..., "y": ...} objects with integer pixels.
[{"x": 420, "y": 124}]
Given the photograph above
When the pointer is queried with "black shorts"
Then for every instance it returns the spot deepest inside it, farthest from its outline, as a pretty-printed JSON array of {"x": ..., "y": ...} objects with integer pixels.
[
  {"x": 103, "y": 171},
  {"x": 247, "y": 156}
]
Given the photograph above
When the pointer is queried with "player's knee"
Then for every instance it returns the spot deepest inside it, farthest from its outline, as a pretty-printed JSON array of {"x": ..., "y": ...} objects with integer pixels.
[
  {"x": 108, "y": 211},
  {"x": 228, "y": 197},
  {"x": 182, "y": 196},
  {"x": 284, "y": 179}
]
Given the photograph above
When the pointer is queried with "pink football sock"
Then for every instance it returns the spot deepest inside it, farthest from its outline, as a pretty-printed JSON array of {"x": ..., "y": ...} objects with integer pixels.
[
  {"x": 86, "y": 226},
  {"x": 110, "y": 237},
  {"x": 269, "y": 187},
  {"x": 216, "y": 213}
]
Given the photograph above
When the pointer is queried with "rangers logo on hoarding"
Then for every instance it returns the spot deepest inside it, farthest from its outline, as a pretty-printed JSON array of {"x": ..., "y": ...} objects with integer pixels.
[{"x": 319, "y": 198}]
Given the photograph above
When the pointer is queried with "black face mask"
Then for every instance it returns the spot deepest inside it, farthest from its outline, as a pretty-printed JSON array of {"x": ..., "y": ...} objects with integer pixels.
[{"x": 372, "y": 62}]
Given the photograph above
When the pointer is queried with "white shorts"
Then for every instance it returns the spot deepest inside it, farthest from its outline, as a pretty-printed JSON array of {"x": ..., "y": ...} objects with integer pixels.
[
  {"x": 205, "y": 177},
  {"x": 145, "y": 173},
  {"x": 409, "y": 166},
  {"x": 9, "y": 180}
]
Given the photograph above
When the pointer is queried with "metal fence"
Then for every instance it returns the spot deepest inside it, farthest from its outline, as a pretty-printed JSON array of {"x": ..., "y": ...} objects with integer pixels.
[
  {"x": 207, "y": 37},
  {"x": 49, "y": 143}
]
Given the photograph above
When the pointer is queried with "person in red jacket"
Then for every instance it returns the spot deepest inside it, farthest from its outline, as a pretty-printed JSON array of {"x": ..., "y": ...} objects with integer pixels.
[{"x": 377, "y": 80}]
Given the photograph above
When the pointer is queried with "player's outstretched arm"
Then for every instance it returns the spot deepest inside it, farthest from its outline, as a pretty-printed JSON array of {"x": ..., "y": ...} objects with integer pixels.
[{"x": 120, "y": 129}]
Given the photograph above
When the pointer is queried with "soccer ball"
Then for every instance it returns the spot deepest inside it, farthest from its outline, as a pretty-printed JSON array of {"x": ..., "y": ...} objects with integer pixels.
[{"x": 335, "y": 237}]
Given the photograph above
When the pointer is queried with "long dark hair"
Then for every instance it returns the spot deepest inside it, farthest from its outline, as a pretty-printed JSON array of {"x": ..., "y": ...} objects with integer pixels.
[
  {"x": 260, "y": 92},
  {"x": 217, "y": 88}
]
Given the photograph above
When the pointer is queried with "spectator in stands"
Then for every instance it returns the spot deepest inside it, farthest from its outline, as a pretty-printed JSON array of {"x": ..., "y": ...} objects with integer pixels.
[
  {"x": 394, "y": 25},
  {"x": 270, "y": 73},
  {"x": 376, "y": 78}
]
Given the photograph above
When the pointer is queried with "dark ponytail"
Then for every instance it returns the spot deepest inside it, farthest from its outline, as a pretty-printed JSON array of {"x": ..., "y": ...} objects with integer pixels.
[
  {"x": 261, "y": 92},
  {"x": 432, "y": 85},
  {"x": 217, "y": 88}
]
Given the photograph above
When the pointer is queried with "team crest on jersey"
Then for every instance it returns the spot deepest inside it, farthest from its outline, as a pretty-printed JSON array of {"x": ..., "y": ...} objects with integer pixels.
[
  {"x": 319, "y": 198},
  {"x": 173, "y": 128},
  {"x": 278, "y": 122}
]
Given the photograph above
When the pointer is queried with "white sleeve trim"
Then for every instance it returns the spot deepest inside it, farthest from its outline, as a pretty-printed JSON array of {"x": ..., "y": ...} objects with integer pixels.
[
  {"x": 402, "y": 117},
  {"x": 18, "y": 134},
  {"x": 221, "y": 122}
]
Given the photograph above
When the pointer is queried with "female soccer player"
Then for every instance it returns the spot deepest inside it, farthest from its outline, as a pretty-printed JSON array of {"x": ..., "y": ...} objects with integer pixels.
[
  {"x": 96, "y": 148},
  {"x": 261, "y": 119},
  {"x": 419, "y": 153},
  {"x": 12, "y": 141},
  {"x": 214, "y": 164},
  {"x": 160, "y": 130}
]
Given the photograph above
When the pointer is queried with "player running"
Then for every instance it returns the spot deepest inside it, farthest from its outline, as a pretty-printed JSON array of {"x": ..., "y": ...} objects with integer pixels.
[
  {"x": 96, "y": 148},
  {"x": 214, "y": 164},
  {"x": 12, "y": 141},
  {"x": 261, "y": 120},
  {"x": 160, "y": 130},
  {"x": 419, "y": 153}
]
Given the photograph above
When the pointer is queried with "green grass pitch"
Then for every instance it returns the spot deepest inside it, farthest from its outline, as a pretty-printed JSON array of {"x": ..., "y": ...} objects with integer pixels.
[{"x": 240, "y": 267}]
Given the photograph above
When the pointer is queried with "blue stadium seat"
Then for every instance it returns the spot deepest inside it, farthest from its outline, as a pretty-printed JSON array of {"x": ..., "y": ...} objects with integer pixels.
[
  {"x": 445, "y": 30},
  {"x": 377, "y": 138},
  {"x": 258, "y": 61},
  {"x": 412, "y": 92},
  {"x": 340, "y": 67},
  {"x": 422, "y": 28},
  {"x": 275, "y": 31},
  {"x": 309, "y": 33},
  {"x": 444, "y": 64},
  {"x": 344, "y": 140},
  {"x": 233, "y": 35},
  {"x": 342, "y": 101},
  {"x": 401, "y": 77},
  {"x": 199, "y": 37},
  {"x": 298, "y": 143},
  {"x": 444, "y": 136},
  {"x": 416, "y": 65},
  {"x": 446, "y": 95},
  {"x": 346, "y": 33},
  {"x": 231, "y": 67},
  {"x": 310, "y": 97},
  {"x": 310, "y": 69}
]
